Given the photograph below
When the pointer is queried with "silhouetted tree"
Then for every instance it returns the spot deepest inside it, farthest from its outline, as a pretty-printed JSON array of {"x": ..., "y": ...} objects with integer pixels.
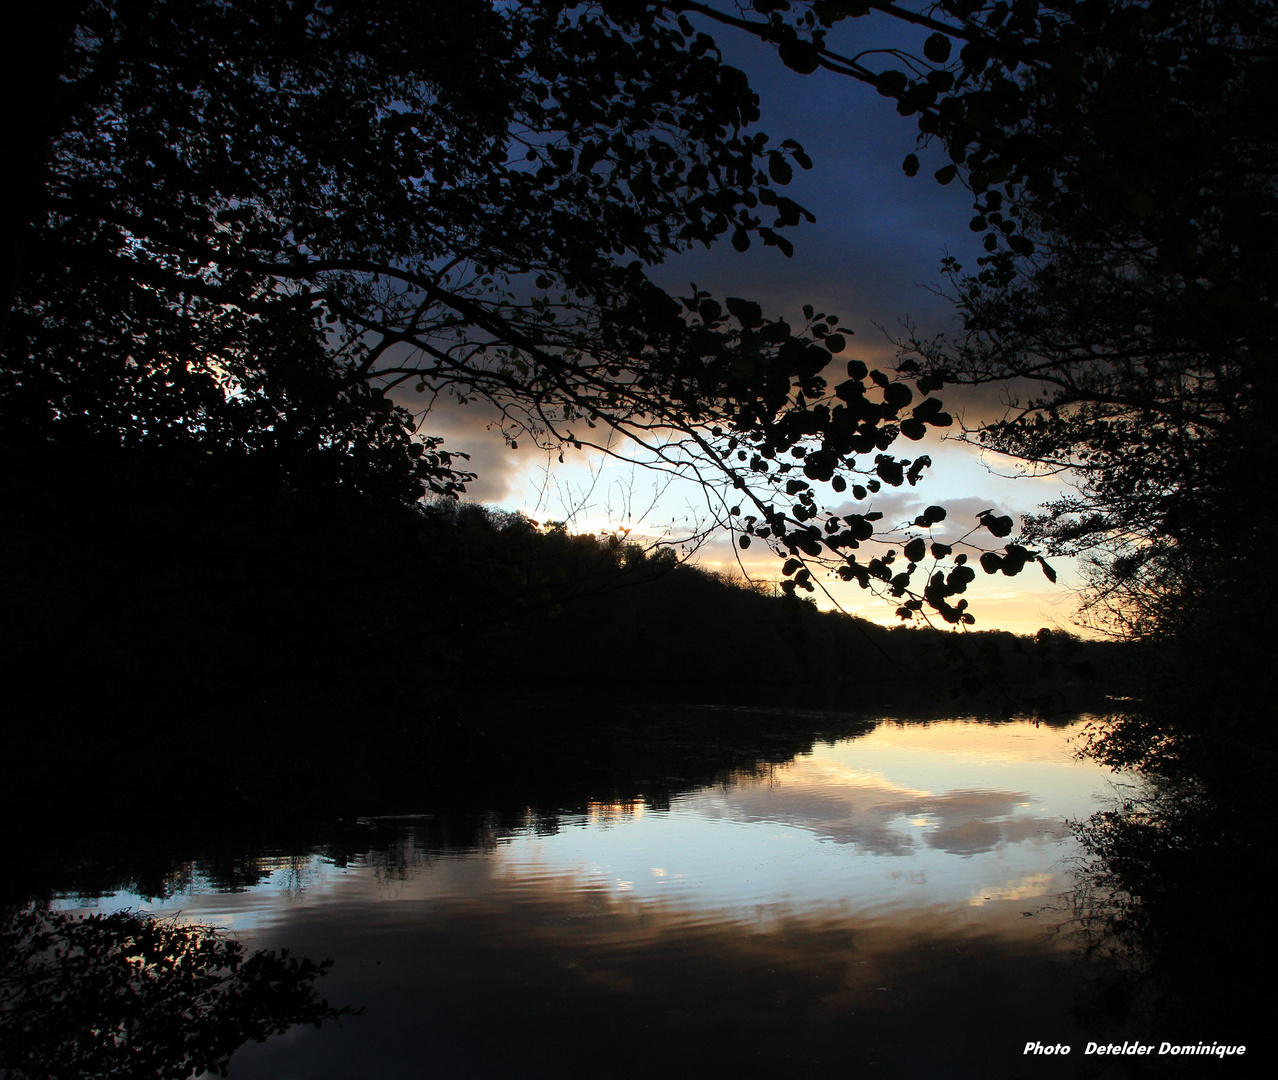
[
  {"x": 128, "y": 995},
  {"x": 251, "y": 220},
  {"x": 1121, "y": 159},
  {"x": 1140, "y": 332},
  {"x": 1133, "y": 309},
  {"x": 241, "y": 226},
  {"x": 1169, "y": 949}
]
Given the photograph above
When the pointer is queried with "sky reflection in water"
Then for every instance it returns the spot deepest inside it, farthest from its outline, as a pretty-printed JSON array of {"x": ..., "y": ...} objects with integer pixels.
[{"x": 887, "y": 902}]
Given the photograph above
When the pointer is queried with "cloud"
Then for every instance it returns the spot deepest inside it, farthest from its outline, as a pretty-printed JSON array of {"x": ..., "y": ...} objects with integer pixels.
[
  {"x": 471, "y": 429},
  {"x": 883, "y": 818}
]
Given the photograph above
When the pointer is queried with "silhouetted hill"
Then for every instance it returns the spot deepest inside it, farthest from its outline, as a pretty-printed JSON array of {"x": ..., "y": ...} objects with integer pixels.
[{"x": 145, "y": 592}]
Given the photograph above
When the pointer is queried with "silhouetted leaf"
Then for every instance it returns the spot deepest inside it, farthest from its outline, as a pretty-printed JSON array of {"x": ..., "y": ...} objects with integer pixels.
[
  {"x": 799, "y": 55},
  {"x": 937, "y": 48},
  {"x": 747, "y": 312},
  {"x": 999, "y": 526}
]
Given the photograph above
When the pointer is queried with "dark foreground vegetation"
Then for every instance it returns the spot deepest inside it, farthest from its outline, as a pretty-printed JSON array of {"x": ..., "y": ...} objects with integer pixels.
[{"x": 126, "y": 995}]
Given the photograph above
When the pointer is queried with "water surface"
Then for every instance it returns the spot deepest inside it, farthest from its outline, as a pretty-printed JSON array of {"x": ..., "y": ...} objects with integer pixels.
[{"x": 888, "y": 904}]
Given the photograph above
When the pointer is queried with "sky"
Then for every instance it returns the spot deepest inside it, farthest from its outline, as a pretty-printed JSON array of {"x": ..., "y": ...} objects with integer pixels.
[{"x": 873, "y": 259}]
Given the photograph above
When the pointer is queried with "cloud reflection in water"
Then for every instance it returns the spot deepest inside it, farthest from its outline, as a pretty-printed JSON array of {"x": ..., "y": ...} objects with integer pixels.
[{"x": 863, "y": 907}]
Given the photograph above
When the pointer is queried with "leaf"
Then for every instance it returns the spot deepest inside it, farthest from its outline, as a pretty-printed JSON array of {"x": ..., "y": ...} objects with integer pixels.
[
  {"x": 746, "y": 312},
  {"x": 999, "y": 526},
  {"x": 911, "y": 165},
  {"x": 937, "y": 48},
  {"x": 791, "y": 212},
  {"x": 799, "y": 55},
  {"x": 773, "y": 240},
  {"x": 1048, "y": 572},
  {"x": 916, "y": 470},
  {"x": 897, "y": 396},
  {"x": 890, "y": 471},
  {"x": 892, "y": 83},
  {"x": 776, "y": 332}
]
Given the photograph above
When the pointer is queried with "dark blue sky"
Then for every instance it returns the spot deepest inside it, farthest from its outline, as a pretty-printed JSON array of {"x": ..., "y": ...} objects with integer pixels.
[{"x": 879, "y": 234}]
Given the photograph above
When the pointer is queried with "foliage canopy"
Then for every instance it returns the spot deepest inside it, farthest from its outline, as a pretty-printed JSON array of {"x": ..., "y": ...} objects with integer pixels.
[
  {"x": 250, "y": 233},
  {"x": 1122, "y": 160},
  {"x": 1121, "y": 157},
  {"x": 245, "y": 227}
]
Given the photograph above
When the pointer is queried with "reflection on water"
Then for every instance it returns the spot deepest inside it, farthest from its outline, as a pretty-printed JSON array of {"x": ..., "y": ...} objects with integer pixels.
[
  {"x": 885, "y": 904},
  {"x": 124, "y": 994},
  {"x": 1170, "y": 907}
]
